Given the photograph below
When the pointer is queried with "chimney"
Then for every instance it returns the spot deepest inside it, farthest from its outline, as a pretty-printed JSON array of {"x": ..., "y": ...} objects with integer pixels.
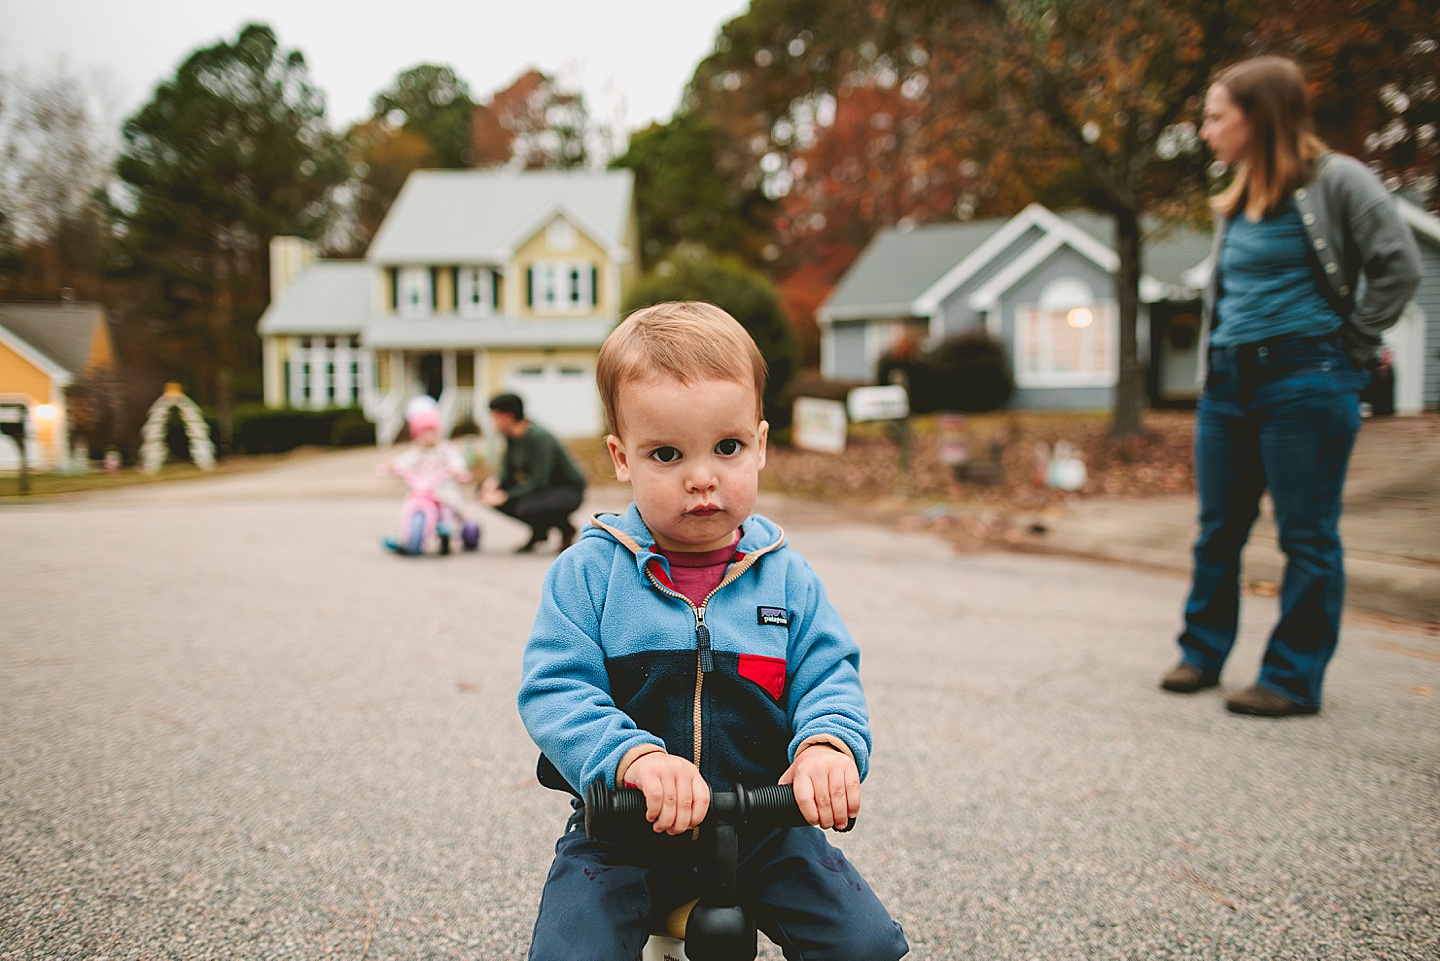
[{"x": 289, "y": 256}]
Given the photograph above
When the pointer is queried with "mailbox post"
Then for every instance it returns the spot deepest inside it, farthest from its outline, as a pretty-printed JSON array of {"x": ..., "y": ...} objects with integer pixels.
[
  {"x": 12, "y": 424},
  {"x": 888, "y": 403}
]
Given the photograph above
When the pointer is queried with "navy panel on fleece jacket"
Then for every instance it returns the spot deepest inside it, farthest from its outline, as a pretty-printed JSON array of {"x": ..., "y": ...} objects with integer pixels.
[{"x": 617, "y": 659}]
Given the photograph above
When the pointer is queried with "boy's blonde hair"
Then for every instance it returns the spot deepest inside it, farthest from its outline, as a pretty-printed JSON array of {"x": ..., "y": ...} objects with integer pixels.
[{"x": 687, "y": 340}]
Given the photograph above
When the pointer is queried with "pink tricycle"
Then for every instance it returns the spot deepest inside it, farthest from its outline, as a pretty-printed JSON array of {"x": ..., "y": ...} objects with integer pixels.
[{"x": 425, "y": 517}]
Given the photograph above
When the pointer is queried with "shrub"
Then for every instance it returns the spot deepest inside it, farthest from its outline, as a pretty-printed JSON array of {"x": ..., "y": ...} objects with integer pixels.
[
  {"x": 351, "y": 429},
  {"x": 967, "y": 372},
  {"x": 264, "y": 430}
]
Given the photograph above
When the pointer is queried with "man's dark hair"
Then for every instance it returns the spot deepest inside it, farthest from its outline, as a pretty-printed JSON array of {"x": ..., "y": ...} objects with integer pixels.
[{"x": 508, "y": 404}]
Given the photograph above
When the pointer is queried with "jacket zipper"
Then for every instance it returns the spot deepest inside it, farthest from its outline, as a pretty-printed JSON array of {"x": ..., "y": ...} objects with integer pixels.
[{"x": 704, "y": 654}]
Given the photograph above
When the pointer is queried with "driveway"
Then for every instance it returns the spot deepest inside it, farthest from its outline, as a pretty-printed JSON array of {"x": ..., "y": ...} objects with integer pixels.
[{"x": 232, "y": 727}]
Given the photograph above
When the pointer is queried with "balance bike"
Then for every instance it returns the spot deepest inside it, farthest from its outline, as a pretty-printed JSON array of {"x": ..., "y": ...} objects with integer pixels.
[{"x": 717, "y": 926}]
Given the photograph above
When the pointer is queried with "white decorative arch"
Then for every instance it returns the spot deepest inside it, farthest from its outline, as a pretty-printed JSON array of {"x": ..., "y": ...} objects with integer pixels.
[{"x": 152, "y": 435}]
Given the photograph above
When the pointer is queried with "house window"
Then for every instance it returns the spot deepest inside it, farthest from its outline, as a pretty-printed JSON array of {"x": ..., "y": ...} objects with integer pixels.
[
  {"x": 416, "y": 291},
  {"x": 477, "y": 291},
  {"x": 1067, "y": 339},
  {"x": 326, "y": 373},
  {"x": 562, "y": 286}
]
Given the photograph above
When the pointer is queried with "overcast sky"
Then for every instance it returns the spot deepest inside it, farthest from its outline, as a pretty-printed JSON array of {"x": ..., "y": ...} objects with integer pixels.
[{"x": 632, "y": 58}]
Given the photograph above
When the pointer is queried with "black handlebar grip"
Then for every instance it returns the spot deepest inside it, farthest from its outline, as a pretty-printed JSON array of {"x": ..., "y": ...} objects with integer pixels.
[
  {"x": 611, "y": 813},
  {"x": 608, "y": 812},
  {"x": 773, "y": 806}
]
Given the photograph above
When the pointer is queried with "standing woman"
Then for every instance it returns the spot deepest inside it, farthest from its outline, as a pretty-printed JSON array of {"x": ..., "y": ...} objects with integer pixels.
[{"x": 1311, "y": 262}]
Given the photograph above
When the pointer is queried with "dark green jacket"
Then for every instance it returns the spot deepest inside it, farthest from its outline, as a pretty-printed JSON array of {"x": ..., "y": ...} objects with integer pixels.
[{"x": 537, "y": 462}]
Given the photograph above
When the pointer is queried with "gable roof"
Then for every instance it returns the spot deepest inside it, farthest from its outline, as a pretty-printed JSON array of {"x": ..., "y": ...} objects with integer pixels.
[
  {"x": 987, "y": 296},
  {"x": 328, "y": 297},
  {"x": 58, "y": 337},
  {"x": 901, "y": 264},
  {"x": 883, "y": 280},
  {"x": 480, "y": 216}
]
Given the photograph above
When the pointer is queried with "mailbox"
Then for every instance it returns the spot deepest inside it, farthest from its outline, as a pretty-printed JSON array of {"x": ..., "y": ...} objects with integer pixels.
[
  {"x": 12, "y": 420},
  {"x": 12, "y": 424},
  {"x": 890, "y": 402}
]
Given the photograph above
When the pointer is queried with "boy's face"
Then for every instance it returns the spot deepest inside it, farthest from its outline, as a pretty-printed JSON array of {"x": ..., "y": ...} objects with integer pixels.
[{"x": 692, "y": 453}]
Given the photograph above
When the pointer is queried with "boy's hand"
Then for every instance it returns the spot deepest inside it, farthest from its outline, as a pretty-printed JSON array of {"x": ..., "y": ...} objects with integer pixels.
[
  {"x": 827, "y": 786},
  {"x": 676, "y": 796}
]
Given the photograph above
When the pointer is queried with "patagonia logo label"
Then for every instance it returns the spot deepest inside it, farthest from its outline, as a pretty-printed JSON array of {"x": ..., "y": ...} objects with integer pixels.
[{"x": 777, "y": 616}]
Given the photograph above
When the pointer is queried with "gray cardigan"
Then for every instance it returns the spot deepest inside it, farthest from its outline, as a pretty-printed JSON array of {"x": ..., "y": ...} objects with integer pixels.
[{"x": 1353, "y": 226}]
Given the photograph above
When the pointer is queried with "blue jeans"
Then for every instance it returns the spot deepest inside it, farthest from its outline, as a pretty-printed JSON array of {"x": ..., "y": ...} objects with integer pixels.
[
  {"x": 600, "y": 898},
  {"x": 1281, "y": 416}
]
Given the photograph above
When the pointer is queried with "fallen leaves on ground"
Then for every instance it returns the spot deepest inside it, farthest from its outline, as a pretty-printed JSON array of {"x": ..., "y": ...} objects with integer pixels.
[{"x": 869, "y": 478}]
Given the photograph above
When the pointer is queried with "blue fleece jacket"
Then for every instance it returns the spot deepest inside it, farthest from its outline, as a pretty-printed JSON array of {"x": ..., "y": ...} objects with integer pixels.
[{"x": 618, "y": 659}]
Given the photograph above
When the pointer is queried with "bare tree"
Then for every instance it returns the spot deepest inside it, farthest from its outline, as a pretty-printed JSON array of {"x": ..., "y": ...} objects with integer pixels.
[{"x": 56, "y": 151}]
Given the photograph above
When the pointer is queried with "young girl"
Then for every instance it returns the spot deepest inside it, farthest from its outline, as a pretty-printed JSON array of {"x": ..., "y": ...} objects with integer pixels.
[{"x": 430, "y": 467}]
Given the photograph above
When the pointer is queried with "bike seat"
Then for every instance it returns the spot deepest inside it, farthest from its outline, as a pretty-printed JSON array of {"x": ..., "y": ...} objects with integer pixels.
[{"x": 673, "y": 924}]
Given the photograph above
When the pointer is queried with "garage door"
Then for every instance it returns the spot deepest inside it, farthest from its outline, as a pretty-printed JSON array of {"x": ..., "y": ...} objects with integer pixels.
[{"x": 559, "y": 397}]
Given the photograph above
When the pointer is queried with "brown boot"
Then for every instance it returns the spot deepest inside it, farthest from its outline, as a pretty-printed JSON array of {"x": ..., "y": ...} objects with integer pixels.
[
  {"x": 1187, "y": 679},
  {"x": 1263, "y": 702}
]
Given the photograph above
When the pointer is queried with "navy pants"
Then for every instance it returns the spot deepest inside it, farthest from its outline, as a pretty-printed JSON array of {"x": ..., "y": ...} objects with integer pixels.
[
  {"x": 599, "y": 898},
  {"x": 545, "y": 509},
  {"x": 1281, "y": 416}
]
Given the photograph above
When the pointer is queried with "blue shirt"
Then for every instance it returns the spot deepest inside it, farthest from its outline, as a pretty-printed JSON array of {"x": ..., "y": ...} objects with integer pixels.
[{"x": 1268, "y": 286}]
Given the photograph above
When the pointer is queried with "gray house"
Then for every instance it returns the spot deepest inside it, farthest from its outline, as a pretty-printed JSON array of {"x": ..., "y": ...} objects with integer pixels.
[
  {"x": 1042, "y": 284},
  {"x": 1039, "y": 282}
]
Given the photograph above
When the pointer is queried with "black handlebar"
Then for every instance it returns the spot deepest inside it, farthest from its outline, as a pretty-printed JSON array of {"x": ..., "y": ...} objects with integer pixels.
[{"x": 609, "y": 814}]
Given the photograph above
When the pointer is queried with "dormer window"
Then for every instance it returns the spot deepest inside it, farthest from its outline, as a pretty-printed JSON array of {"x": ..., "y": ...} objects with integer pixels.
[
  {"x": 415, "y": 288},
  {"x": 562, "y": 286}
]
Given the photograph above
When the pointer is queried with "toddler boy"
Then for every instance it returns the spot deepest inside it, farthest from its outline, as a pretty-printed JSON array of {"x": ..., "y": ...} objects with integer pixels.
[{"x": 682, "y": 647}]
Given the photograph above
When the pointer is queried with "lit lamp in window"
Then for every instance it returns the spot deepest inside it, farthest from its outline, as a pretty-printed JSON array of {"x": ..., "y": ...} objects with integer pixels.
[{"x": 1079, "y": 317}]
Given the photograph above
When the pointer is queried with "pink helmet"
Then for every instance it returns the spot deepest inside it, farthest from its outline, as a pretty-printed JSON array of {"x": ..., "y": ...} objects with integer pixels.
[{"x": 422, "y": 414}]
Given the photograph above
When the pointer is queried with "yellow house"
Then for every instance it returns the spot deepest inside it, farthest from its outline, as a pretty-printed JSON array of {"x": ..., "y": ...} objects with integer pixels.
[
  {"x": 44, "y": 348},
  {"x": 477, "y": 282}
]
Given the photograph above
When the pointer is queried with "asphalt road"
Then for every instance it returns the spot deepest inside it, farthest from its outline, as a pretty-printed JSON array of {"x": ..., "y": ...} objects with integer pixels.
[{"x": 231, "y": 727}]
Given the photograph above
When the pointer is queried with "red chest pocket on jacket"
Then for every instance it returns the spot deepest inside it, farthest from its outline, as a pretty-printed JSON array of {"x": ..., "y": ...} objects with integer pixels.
[{"x": 768, "y": 672}]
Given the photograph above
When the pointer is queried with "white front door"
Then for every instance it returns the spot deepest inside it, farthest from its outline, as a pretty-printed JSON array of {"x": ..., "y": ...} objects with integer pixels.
[{"x": 560, "y": 397}]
